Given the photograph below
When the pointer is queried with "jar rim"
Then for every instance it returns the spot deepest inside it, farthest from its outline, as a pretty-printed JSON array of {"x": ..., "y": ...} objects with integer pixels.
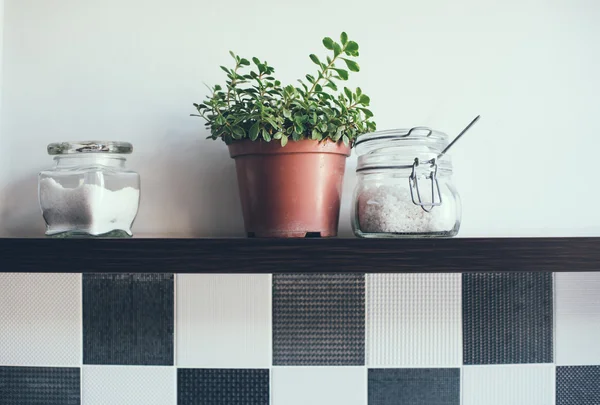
[
  {"x": 398, "y": 149},
  {"x": 75, "y": 147},
  {"x": 414, "y": 133}
]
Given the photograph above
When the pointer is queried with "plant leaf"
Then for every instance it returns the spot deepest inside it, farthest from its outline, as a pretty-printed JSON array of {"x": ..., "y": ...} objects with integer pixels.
[
  {"x": 351, "y": 47},
  {"x": 364, "y": 99},
  {"x": 316, "y": 135},
  {"x": 266, "y": 135},
  {"x": 284, "y": 140},
  {"x": 254, "y": 131},
  {"x": 344, "y": 38},
  {"x": 238, "y": 132},
  {"x": 328, "y": 42},
  {"x": 337, "y": 49},
  {"x": 348, "y": 93},
  {"x": 346, "y": 140},
  {"x": 331, "y": 85},
  {"x": 367, "y": 112},
  {"x": 352, "y": 66},
  {"x": 343, "y": 73},
  {"x": 316, "y": 60}
]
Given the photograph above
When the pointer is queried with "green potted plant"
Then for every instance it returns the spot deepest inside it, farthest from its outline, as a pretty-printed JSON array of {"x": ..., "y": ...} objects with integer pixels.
[{"x": 290, "y": 143}]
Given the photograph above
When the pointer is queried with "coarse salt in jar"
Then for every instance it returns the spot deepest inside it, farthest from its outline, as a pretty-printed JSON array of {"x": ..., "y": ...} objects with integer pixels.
[
  {"x": 89, "y": 191},
  {"x": 403, "y": 189}
]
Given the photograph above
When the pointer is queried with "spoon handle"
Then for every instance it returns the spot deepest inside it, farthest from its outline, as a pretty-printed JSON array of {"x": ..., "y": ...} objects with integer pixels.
[{"x": 458, "y": 137}]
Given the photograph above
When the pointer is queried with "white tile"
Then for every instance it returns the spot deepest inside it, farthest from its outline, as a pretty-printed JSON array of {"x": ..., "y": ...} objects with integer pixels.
[
  {"x": 129, "y": 385},
  {"x": 224, "y": 321},
  {"x": 40, "y": 318},
  {"x": 414, "y": 320},
  {"x": 319, "y": 386},
  {"x": 577, "y": 319},
  {"x": 527, "y": 384}
]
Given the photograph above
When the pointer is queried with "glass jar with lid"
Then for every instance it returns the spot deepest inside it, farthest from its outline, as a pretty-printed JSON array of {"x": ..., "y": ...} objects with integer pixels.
[
  {"x": 403, "y": 189},
  {"x": 89, "y": 191}
]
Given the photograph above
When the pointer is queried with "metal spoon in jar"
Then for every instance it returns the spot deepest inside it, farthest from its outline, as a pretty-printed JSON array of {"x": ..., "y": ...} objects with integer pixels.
[
  {"x": 442, "y": 153},
  {"x": 414, "y": 182}
]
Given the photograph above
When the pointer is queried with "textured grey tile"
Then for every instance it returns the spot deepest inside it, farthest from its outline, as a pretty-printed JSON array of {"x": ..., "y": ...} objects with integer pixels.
[
  {"x": 507, "y": 318},
  {"x": 222, "y": 386},
  {"x": 128, "y": 319},
  {"x": 578, "y": 385},
  {"x": 39, "y": 386},
  {"x": 414, "y": 386},
  {"x": 318, "y": 319}
]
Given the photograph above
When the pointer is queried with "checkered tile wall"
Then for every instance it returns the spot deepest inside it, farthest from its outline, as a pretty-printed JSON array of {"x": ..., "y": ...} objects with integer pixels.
[{"x": 293, "y": 339}]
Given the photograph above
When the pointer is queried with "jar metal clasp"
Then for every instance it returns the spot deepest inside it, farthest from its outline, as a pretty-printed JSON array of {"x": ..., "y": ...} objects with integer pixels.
[{"x": 415, "y": 192}]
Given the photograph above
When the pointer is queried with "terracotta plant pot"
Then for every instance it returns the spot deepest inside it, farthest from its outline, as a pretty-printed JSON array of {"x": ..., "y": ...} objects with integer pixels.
[{"x": 292, "y": 191}]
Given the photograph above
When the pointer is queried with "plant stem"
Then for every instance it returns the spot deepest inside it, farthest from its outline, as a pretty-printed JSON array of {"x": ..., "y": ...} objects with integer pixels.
[
  {"x": 322, "y": 74},
  {"x": 233, "y": 83}
]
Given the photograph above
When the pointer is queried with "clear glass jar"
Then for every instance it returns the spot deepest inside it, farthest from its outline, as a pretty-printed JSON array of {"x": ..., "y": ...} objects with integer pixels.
[
  {"x": 403, "y": 189},
  {"x": 89, "y": 192}
]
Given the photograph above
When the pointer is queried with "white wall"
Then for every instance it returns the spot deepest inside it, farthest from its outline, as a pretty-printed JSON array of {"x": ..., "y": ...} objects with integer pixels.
[
  {"x": 3, "y": 166},
  {"x": 130, "y": 70}
]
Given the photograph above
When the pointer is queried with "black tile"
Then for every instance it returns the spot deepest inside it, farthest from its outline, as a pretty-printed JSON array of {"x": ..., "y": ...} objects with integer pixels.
[
  {"x": 318, "y": 319},
  {"x": 414, "y": 386},
  {"x": 128, "y": 319},
  {"x": 222, "y": 386},
  {"x": 507, "y": 318},
  {"x": 578, "y": 385},
  {"x": 39, "y": 386}
]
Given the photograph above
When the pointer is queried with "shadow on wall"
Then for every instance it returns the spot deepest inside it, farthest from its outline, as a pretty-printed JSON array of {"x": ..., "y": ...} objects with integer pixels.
[
  {"x": 21, "y": 216},
  {"x": 189, "y": 189}
]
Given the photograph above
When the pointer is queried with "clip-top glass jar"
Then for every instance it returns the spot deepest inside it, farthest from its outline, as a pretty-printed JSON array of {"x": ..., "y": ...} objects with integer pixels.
[
  {"x": 89, "y": 192},
  {"x": 403, "y": 189}
]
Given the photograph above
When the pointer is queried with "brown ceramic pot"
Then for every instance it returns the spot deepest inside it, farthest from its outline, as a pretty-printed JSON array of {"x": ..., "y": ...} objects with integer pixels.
[{"x": 292, "y": 191}]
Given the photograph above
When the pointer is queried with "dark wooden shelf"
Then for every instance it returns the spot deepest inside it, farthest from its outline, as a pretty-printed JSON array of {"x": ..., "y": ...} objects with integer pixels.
[{"x": 299, "y": 255}]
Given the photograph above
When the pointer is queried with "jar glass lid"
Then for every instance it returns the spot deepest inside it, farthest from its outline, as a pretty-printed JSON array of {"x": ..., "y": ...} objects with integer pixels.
[
  {"x": 69, "y": 148},
  {"x": 401, "y": 137},
  {"x": 398, "y": 148}
]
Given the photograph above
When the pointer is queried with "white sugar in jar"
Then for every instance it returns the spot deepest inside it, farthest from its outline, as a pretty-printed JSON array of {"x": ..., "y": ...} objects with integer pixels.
[{"x": 89, "y": 191}]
